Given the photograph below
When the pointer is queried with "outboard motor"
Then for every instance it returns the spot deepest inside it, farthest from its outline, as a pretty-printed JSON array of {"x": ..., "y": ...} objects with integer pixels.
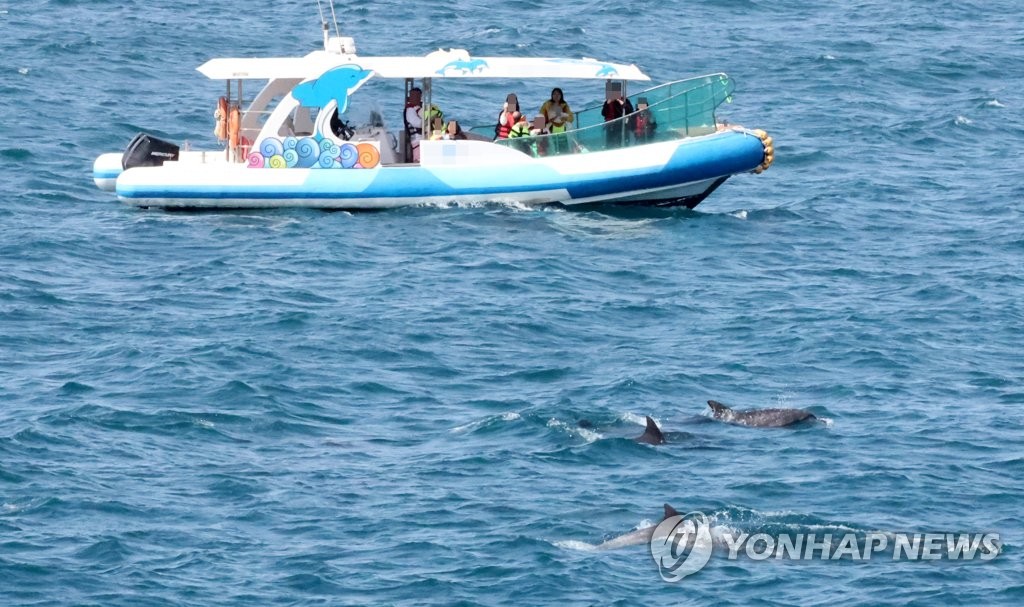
[{"x": 148, "y": 151}]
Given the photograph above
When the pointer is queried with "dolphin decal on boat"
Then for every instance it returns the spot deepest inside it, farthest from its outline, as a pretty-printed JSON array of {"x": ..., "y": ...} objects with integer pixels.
[
  {"x": 607, "y": 70},
  {"x": 466, "y": 66},
  {"x": 335, "y": 84}
]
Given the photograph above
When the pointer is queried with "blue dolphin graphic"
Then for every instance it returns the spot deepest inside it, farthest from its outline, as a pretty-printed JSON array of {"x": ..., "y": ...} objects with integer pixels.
[
  {"x": 606, "y": 70},
  {"x": 336, "y": 84},
  {"x": 465, "y": 66}
]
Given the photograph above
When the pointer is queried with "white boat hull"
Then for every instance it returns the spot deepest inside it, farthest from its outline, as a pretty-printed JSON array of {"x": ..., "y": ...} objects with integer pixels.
[{"x": 462, "y": 172}]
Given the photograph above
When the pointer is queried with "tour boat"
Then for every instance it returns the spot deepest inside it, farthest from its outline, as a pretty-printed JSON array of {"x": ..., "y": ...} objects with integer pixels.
[{"x": 291, "y": 146}]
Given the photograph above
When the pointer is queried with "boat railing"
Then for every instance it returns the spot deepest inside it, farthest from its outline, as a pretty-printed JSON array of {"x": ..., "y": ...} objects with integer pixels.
[{"x": 676, "y": 110}]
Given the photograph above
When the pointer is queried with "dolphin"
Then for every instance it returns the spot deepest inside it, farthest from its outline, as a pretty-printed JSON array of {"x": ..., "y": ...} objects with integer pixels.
[
  {"x": 636, "y": 537},
  {"x": 652, "y": 435},
  {"x": 759, "y": 418}
]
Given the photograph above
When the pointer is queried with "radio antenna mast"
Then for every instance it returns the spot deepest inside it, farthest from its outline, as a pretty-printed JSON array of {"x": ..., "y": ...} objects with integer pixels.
[{"x": 337, "y": 30}]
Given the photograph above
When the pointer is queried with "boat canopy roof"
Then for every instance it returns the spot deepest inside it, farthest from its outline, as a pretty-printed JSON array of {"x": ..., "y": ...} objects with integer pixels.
[{"x": 454, "y": 63}]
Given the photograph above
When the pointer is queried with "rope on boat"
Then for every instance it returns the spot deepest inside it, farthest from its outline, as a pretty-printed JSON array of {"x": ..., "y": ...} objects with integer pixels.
[{"x": 769, "y": 150}]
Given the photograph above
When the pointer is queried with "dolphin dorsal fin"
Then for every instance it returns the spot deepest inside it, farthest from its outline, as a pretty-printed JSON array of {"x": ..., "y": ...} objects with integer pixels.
[
  {"x": 718, "y": 407},
  {"x": 652, "y": 434},
  {"x": 670, "y": 511}
]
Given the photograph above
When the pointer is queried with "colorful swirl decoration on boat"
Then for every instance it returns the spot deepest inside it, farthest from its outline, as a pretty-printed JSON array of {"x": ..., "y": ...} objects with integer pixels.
[{"x": 308, "y": 153}]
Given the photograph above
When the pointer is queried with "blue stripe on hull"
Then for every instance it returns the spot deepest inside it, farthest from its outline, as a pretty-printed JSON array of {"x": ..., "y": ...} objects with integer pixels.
[{"x": 696, "y": 161}]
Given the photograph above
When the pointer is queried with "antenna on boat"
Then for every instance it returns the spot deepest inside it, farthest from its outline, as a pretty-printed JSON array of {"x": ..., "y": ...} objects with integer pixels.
[
  {"x": 326, "y": 27},
  {"x": 337, "y": 30},
  {"x": 323, "y": 23}
]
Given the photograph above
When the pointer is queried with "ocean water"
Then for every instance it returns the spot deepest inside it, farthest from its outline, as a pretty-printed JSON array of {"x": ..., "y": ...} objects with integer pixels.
[{"x": 308, "y": 408}]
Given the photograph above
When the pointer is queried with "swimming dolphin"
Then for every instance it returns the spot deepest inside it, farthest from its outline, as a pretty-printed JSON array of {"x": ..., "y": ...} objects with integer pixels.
[
  {"x": 759, "y": 418},
  {"x": 637, "y": 537},
  {"x": 652, "y": 435}
]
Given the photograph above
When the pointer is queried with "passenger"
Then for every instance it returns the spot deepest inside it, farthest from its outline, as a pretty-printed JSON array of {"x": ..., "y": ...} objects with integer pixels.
[
  {"x": 539, "y": 127},
  {"x": 643, "y": 123},
  {"x": 436, "y": 128},
  {"x": 414, "y": 121},
  {"x": 506, "y": 117},
  {"x": 520, "y": 130},
  {"x": 559, "y": 117},
  {"x": 454, "y": 132},
  {"x": 614, "y": 108},
  {"x": 414, "y": 116}
]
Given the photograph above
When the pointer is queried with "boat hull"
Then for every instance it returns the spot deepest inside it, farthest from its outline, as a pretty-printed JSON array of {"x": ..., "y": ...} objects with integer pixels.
[{"x": 680, "y": 171}]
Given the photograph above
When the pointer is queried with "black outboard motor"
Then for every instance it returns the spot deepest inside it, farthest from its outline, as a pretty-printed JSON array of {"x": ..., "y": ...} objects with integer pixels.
[{"x": 148, "y": 151}]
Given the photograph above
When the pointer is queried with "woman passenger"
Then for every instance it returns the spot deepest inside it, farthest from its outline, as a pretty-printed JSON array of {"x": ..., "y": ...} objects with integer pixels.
[
  {"x": 558, "y": 117},
  {"x": 507, "y": 117}
]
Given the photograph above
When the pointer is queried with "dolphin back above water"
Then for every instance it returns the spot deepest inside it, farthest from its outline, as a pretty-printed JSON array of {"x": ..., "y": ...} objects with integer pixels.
[
  {"x": 638, "y": 536},
  {"x": 759, "y": 418},
  {"x": 652, "y": 435}
]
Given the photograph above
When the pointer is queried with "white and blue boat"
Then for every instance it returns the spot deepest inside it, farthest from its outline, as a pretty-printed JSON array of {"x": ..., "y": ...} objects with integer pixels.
[{"x": 280, "y": 149}]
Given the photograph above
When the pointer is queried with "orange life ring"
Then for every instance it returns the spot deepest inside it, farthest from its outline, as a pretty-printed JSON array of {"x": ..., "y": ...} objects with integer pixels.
[
  {"x": 234, "y": 123},
  {"x": 220, "y": 128}
]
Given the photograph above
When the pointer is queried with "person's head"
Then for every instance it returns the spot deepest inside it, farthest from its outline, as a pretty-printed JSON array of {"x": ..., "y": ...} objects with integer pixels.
[
  {"x": 454, "y": 128},
  {"x": 556, "y": 95},
  {"x": 437, "y": 123},
  {"x": 612, "y": 90},
  {"x": 521, "y": 117},
  {"x": 415, "y": 96},
  {"x": 641, "y": 103}
]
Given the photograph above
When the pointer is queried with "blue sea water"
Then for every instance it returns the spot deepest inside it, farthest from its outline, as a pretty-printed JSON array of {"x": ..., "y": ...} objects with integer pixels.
[{"x": 305, "y": 408}]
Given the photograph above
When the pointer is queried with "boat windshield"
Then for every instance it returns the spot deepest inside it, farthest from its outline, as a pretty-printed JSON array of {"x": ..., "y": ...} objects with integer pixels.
[{"x": 685, "y": 108}]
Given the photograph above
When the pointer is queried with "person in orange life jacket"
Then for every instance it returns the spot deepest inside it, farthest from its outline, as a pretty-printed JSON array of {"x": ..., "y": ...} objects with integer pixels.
[
  {"x": 558, "y": 116},
  {"x": 643, "y": 123},
  {"x": 507, "y": 117},
  {"x": 613, "y": 109},
  {"x": 413, "y": 117}
]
